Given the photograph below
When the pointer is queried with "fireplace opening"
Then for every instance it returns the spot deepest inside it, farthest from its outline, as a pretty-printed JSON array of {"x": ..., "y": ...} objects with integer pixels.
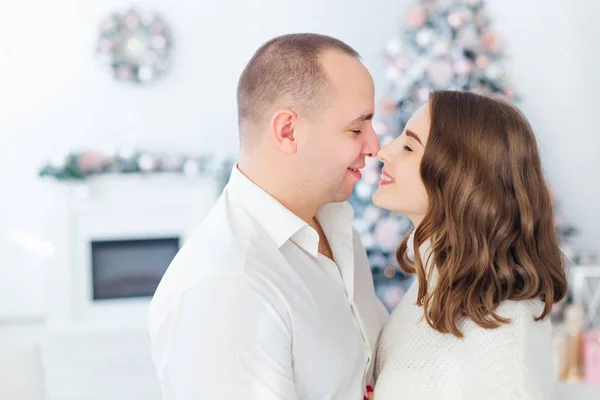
[{"x": 130, "y": 268}]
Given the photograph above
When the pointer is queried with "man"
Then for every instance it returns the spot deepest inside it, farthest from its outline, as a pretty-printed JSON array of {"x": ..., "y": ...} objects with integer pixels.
[{"x": 272, "y": 297}]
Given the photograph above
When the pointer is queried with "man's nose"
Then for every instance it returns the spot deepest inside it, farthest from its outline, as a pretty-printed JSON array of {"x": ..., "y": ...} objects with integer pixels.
[{"x": 372, "y": 145}]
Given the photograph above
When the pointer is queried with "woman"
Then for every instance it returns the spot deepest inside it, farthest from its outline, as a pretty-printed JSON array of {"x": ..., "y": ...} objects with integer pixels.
[{"x": 474, "y": 325}]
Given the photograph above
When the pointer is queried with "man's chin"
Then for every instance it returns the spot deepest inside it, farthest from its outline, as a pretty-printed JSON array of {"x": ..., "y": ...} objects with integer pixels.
[{"x": 344, "y": 193}]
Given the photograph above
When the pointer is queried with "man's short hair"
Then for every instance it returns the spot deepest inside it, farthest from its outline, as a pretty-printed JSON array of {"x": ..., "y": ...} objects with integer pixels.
[{"x": 285, "y": 70}]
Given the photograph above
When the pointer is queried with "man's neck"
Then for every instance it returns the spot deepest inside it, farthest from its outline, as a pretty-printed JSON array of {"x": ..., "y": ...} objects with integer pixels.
[
  {"x": 324, "y": 247},
  {"x": 281, "y": 191}
]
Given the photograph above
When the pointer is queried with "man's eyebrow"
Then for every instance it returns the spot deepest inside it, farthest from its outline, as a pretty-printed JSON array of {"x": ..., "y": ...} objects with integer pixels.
[{"x": 364, "y": 117}]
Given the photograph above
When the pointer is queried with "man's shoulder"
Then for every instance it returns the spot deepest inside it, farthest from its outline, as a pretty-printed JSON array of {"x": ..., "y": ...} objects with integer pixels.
[
  {"x": 223, "y": 244},
  {"x": 228, "y": 244}
]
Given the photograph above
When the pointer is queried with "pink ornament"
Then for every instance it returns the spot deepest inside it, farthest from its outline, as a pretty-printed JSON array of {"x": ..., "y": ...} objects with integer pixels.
[
  {"x": 106, "y": 46},
  {"x": 132, "y": 21},
  {"x": 441, "y": 72},
  {"x": 387, "y": 106},
  {"x": 482, "y": 62},
  {"x": 456, "y": 19},
  {"x": 416, "y": 16},
  {"x": 479, "y": 19},
  {"x": 467, "y": 37},
  {"x": 442, "y": 47},
  {"x": 557, "y": 308},
  {"x": 90, "y": 161},
  {"x": 386, "y": 234},
  {"x": 157, "y": 28},
  {"x": 123, "y": 72},
  {"x": 402, "y": 63},
  {"x": 463, "y": 67},
  {"x": 108, "y": 25},
  {"x": 490, "y": 41},
  {"x": 371, "y": 214}
]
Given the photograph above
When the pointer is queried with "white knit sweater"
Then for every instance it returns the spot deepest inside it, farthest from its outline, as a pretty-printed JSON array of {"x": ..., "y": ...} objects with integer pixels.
[{"x": 415, "y": 362}]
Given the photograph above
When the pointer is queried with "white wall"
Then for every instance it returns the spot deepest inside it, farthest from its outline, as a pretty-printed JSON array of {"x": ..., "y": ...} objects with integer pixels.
[
  {"x": 54, "y": 98},
  {"x": 554, "y": 60}
]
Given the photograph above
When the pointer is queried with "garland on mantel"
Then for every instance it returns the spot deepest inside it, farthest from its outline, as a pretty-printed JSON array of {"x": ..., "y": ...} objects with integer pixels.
[{"x": 78, "y": 166}]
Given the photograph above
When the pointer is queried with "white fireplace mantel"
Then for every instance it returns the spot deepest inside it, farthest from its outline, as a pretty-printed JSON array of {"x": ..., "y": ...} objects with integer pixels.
[
  {"x": 113, "y": 208},
  {"x": 100, "y": 349}
]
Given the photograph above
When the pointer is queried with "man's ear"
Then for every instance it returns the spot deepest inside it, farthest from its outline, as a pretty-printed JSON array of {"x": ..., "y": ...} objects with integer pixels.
[{"x": 283, "y": 124}]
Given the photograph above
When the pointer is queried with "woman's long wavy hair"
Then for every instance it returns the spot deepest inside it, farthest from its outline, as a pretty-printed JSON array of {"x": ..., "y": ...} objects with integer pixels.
[{"x": 490, "y": 216}]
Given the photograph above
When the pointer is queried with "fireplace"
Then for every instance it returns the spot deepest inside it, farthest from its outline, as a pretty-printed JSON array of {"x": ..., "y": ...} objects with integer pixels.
[
  {"x": 120, "y": 235},
  {"x": 130, "y": 268}
]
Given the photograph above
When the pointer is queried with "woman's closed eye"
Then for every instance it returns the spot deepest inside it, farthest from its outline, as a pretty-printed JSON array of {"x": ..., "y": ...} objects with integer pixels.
[{"x": 407, "y": 148}]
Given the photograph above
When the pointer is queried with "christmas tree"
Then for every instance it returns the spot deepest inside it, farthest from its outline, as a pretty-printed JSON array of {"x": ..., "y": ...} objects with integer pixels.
[{"x": 444, "y": 44}]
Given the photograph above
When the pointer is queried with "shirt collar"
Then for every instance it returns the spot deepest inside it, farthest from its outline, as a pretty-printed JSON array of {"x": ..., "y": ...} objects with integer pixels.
[{"x": 280, "y": 223}]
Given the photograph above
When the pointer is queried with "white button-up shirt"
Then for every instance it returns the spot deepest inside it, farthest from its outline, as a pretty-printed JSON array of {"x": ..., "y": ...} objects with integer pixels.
[{"x": 249, "y": 309}]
